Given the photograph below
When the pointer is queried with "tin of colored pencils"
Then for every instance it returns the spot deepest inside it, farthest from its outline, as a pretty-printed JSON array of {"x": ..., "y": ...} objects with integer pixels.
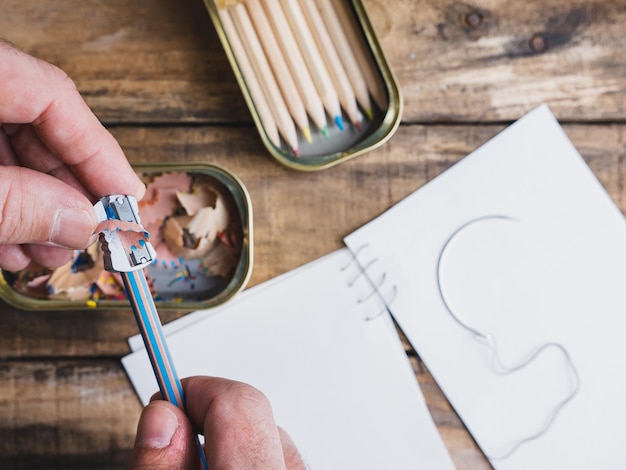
[{"x": 314, "y": 75}]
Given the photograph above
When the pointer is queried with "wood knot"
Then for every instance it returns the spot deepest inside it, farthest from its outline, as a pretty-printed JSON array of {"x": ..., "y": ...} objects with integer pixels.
[
  {"x": 538, "y": 43},
  {"x": 473, "y": 19}
]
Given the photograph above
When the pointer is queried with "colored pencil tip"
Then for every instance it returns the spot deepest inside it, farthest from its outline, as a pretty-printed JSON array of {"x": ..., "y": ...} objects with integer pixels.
[
  {"x": 324, "y": 131},
  {"x": 296, "y": 152},
  {"x": 306, "y": 132},
  {"x": 357, "y": 124},
  {"x": 339, "y": 122},
  {"x": 370, "y": 114}
]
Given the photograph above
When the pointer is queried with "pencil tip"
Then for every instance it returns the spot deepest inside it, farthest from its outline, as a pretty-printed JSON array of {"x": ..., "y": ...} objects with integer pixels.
[
  {"x": 324, "y": 131},
  {"x": 306, "y": 132},
  {"x": 296, "y": 152},
  {"x": 369, "y": 113},
  {"x": 339, "y": 122},
  {"x": 357, "y": 124}
]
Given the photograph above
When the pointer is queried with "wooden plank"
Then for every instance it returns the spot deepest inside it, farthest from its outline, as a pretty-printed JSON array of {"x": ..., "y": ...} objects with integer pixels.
[
  {"x": 83, "y": 414},
  {"x": 161, "y": 61},
  {"x": 66, "y": 414},
  {"x": 292, "y": 224},
  {"x": 491, "y": 60}
]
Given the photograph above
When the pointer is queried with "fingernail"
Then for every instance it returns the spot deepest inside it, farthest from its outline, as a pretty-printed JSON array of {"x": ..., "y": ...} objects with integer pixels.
[
  {"x": 72, "y": 228},
  {"x": 92, "y": 239},
  {"x": 157, "y": 427}
]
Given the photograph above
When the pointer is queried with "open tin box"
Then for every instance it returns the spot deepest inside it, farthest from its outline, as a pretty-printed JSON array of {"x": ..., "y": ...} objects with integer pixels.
[
  {"x": 326, "y": 146},
  {"x": 199, "y": 217}
]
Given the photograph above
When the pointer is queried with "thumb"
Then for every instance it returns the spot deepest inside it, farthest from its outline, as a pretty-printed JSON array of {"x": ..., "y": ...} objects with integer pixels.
[
  {"x": 41, "y": 209},
  {"x": 164, "y": 439}
]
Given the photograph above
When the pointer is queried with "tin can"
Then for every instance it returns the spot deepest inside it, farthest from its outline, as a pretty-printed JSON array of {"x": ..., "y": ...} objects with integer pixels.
[
  {"x": 200, "y": 219},
  {"x": 332, "y": 145}
]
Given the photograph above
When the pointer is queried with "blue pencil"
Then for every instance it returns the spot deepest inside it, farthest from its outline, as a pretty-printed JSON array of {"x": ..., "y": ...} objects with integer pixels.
[
  {"x": 152, "y": 333},
  {"x": 128, "y": 251}
]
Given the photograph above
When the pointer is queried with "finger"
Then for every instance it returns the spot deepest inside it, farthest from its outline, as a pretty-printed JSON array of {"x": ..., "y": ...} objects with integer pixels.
[
  {"x": 13, "y": 258},
  {"x": 7, "y": 155},
  {"x": 293, "y": 459},
  {"x": 32, "y": 153},
  {"x": 41, "y": 209},
  {"x": 18, "y": 257},
  {"x": 164, "y": 439},
  {"x": 238, "y": 423},
  {"x": 48, "y": 256},
  {"x": 38, "y": 93}
]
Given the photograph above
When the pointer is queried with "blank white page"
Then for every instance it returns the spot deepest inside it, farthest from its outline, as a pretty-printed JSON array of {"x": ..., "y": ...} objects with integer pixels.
[
  {"x": 554, "y": 272},
  {"x": 340, "y": 384}
]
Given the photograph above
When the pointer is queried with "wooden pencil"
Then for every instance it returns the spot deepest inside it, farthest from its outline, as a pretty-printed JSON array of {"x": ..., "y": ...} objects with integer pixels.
[
  {"x": 314, "y": 60},
  {"x": 333, "y": 62},
  {"x": 296, "y": 63},
  {"x": 245, "y": 67},
  {"x": 151, "y": 331},
  {"x": 279, "y": 66},
  {"x": 128, "y": 251},
  {"x": 362, "y": 53},
  {"x": 335, "y": 29},
  {"x": 261, "y": 67}
]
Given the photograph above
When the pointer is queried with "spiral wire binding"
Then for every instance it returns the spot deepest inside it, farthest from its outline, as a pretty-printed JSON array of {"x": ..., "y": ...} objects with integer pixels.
[
  {"x": 489, "y": 340},
  {"x": 376, "y": 286}
]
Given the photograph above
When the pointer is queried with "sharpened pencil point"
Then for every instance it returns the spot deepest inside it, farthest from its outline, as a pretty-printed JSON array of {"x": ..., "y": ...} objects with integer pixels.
[
  {"x": 306, "y": 132},
  {"x": 369, "y": 114},
  {"x": 339, "y": 122},
  {"x": 357, "y": 124},
  {"x": 296, "y": 152},
  {"x": 324, "y": 131}
]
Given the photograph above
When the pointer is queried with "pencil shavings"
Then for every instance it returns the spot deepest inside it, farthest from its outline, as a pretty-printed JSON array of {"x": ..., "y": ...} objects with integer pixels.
[
  {"x": 161, "y": 198},
  {"x": 192, "y": 235},
  {"x": 197, "y": 200},
  {"x": 74, "y": 280},
  {"x": 195, "y": 232},
  {"x": 33, "y": 281},
  {"x": 221, "y": 260}
]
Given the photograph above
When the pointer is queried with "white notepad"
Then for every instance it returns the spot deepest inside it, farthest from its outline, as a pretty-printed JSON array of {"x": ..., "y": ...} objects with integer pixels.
[
  {"x": 339, "y": 382},
  {"x": 554, "y": 270}
]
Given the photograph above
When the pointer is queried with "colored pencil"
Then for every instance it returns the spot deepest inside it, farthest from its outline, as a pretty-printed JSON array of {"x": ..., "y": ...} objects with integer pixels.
[
  {"x": 346, "y": 54},
  {"x": 363, "y": 56},
  {"x": 333, "y": 62},
  {"x": 245, "y": 67},
  {"x": 313, "y": 58},
  {"x": 261, "y": 67},
  {"x": 277, "y": 62},
  {"x": 151, "y": 331},
  {"x": 296, "y": 63}
]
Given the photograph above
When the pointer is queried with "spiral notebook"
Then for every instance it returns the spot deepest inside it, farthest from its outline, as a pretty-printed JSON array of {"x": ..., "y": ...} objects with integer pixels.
[
  {"x": 321, "y": 345},
  {"x": 518, "y": 250}
]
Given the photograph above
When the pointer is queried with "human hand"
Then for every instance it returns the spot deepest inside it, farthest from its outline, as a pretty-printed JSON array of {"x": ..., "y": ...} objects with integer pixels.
[
  {"x": 235, "y": 419},
  {"x": 56, "y": 159}
]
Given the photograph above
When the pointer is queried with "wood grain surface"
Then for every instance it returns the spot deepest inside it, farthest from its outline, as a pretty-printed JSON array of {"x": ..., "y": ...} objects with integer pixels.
[{"x": 155, "y": 73}]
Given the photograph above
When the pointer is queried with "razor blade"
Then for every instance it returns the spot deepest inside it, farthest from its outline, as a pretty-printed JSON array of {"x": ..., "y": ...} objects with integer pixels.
[{"x": 124, "y": 242}]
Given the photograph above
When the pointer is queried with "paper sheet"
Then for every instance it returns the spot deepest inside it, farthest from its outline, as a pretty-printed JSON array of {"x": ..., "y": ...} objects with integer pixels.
[
  {"x": 341, "y": 386},
  {"x": 555, "y": 272}
]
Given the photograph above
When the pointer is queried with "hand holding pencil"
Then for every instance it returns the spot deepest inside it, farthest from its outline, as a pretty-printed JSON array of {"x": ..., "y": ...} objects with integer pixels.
[
  {"x": 127, "y": 251},
  {"x": 237, "y": 422},
  {"x": 220, "y": 407}
]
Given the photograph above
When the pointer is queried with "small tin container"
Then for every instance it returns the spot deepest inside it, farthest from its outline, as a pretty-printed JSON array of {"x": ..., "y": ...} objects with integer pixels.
[
  {"x": 332, "y": 145},
  {"x": 191, "y": 271}
]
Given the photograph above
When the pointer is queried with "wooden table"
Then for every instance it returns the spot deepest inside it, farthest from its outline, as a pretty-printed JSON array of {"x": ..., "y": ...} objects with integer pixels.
[{"x": 155, "y": 73}]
